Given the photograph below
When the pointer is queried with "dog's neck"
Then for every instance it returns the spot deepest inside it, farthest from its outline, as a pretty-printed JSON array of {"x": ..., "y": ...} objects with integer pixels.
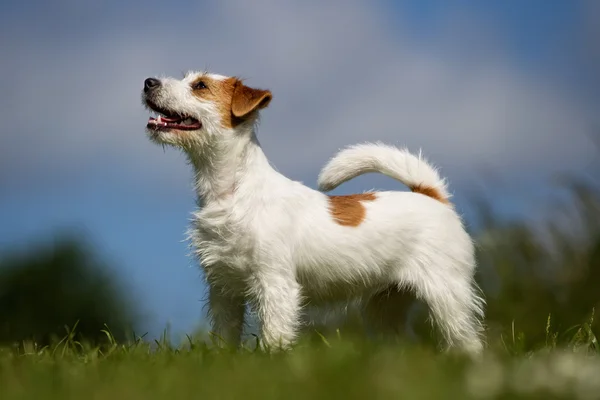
[{"x": 235, "y": 166}]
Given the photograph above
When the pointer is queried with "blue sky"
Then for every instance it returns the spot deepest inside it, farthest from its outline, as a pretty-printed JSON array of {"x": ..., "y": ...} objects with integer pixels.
[{"x": 507, "y": 87}]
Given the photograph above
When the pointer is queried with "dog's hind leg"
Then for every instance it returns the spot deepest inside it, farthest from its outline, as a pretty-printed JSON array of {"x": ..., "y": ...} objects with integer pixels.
[
  {"x": 455, "y": 306},
  {"x": 385, "y": 313}
]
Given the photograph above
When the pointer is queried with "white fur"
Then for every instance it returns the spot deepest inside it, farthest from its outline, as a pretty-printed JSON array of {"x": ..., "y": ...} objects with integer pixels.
[
  {"x": 270, "y": 241},
  {"x": 396, "y": 163}
]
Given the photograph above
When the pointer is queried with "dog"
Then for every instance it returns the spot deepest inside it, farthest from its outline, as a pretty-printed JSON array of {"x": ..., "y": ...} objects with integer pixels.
[{"x": 278, "y": 245}]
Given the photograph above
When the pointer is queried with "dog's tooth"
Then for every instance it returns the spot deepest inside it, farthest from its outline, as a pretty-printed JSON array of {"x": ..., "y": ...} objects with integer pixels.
[{"x": 158, "y": 119}]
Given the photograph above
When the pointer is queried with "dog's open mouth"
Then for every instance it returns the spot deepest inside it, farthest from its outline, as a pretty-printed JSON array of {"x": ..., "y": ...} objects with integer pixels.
[{"x": 169, "y": 120}]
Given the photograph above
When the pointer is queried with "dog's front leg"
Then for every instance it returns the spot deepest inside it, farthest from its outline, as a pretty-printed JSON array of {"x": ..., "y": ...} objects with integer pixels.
[
  {"x": 226, "y": 311},
  {"x": 277, "y": 302}
]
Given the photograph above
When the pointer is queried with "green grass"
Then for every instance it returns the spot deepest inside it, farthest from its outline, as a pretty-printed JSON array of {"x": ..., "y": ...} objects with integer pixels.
[{"x": 331, "y": 367}]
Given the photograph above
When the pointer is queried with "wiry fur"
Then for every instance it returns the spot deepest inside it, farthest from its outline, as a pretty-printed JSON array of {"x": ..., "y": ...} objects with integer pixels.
[
  {"x": 396, "y": 163},
  {"x": 263, "y": 238}
]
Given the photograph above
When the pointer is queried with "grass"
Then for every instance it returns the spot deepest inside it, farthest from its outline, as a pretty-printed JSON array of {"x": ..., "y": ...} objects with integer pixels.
[{"x": 332, "y": 367}]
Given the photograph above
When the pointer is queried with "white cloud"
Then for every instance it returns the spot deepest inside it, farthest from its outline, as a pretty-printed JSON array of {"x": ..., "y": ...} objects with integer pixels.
[{"x": 339, "y": 75}]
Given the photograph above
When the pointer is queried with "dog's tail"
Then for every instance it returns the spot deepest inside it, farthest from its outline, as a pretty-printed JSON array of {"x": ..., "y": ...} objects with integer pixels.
[{"x": 415, "y": 172}]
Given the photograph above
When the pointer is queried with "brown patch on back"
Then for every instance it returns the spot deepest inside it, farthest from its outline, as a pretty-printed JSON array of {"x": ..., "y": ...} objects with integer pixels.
[
  {"x": 430, "y": 192},
  {"x": 234, "y": 101},
  {"x": 349, "y": 210}
]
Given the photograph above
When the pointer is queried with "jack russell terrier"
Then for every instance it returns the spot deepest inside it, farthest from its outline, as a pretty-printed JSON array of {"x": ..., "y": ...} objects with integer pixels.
[{"x": 264, "y": 239}]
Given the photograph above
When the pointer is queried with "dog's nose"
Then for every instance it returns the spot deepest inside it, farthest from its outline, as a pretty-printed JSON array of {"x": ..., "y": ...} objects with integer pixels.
[{"x": 150, "y": 84}]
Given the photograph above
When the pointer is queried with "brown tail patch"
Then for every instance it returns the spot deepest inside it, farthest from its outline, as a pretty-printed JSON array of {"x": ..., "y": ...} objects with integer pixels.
[
  {"x": 430, "y": 192},
  {"x": 348, "y": 210}
]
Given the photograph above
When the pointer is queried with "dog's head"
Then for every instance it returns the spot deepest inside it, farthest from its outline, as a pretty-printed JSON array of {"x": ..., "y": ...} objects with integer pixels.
[{"x": 200, "y": 106}]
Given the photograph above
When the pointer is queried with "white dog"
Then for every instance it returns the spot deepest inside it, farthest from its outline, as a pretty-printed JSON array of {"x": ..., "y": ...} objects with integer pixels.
[{"x": 263, "y": 238}]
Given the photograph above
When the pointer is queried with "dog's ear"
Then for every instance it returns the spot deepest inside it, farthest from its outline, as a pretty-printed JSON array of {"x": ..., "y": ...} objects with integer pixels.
[{"x": 246, "y": 100}]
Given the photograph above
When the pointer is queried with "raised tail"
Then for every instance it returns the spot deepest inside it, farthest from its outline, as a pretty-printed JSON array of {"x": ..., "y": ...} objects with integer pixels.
[{"x": 415, "y": 172}]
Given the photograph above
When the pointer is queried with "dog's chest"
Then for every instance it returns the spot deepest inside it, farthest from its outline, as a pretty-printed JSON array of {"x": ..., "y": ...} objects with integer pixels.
[{"x": 223, "y": 244}]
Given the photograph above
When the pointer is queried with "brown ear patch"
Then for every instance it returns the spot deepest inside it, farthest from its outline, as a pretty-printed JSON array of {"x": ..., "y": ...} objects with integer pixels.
[
  {"x": 349, "y": 210},
  {"x": 233, "y": 100},
  {"x": 430, "y": 192},
  {"x": 246, "y": 100}
]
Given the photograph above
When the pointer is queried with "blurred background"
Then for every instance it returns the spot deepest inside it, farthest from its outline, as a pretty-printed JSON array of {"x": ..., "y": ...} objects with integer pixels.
[{"x": 502, "y": 96}]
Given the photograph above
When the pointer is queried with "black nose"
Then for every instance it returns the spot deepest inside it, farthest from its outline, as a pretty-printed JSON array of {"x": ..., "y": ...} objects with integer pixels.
[{"x": 150, "y": 84}]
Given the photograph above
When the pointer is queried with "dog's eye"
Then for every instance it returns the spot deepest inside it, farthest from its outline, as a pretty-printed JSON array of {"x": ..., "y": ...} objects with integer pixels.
[{"x": 199, "y": 85}]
